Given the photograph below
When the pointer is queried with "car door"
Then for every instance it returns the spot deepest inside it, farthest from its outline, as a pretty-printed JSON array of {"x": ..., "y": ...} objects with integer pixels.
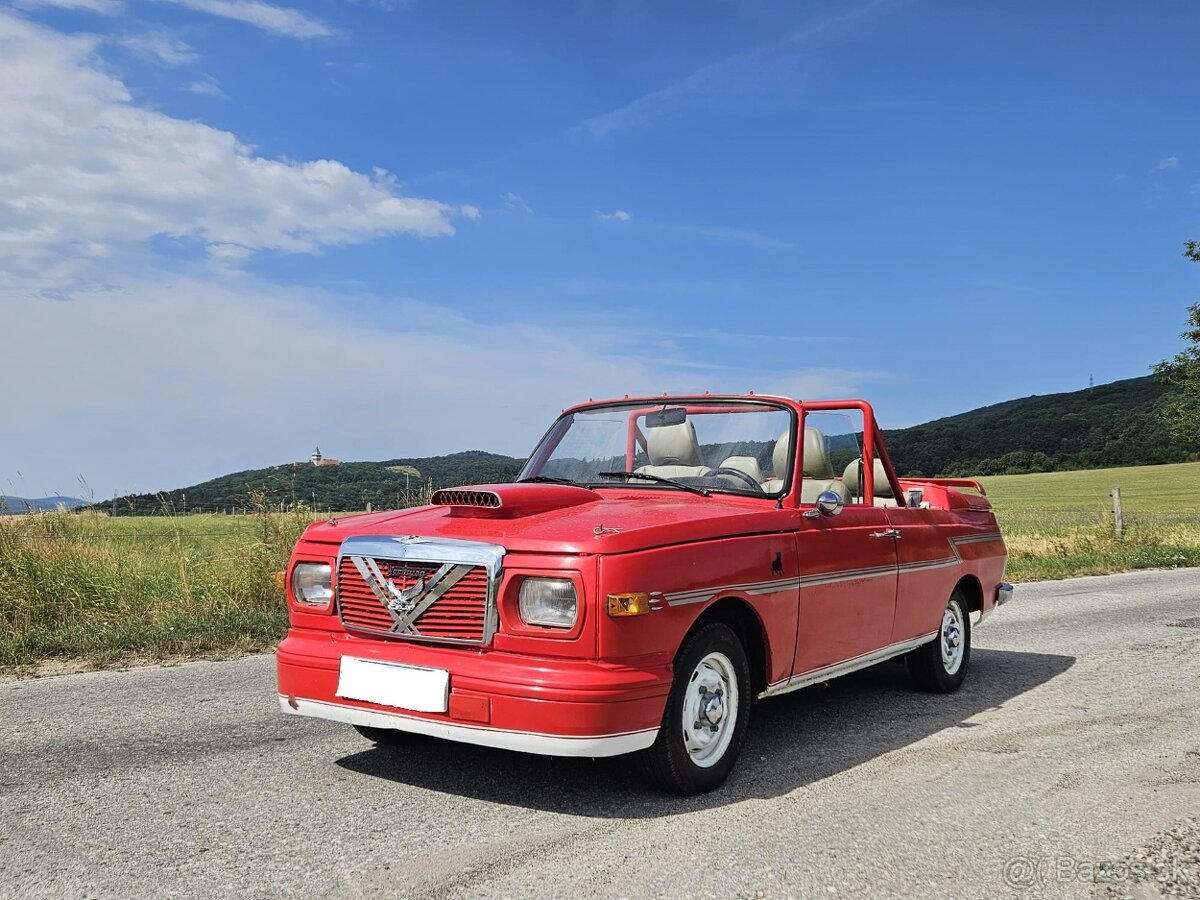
[
  {"x": 848, "y": 578},
  {"x": 848, "y": 562}
]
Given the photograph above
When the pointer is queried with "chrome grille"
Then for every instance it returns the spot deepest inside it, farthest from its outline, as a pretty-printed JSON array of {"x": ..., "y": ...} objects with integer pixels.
[{"x": 459, "y": 613}]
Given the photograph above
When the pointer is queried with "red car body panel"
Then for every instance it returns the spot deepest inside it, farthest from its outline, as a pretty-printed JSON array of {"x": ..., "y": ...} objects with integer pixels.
[{"x": 824, "y": 594}]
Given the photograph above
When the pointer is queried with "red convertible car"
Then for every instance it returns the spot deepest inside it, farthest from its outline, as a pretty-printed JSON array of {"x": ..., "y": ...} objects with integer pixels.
[{"x": 659, "y": 564}]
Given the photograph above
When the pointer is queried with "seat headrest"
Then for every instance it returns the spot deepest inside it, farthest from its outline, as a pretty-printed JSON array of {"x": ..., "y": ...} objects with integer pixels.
[
  {"x": 852, "y": 479},
  {"x": 673, "y": 445},
  {"x": 816, "y": 456},
  {"x": 779, "y": 457}
]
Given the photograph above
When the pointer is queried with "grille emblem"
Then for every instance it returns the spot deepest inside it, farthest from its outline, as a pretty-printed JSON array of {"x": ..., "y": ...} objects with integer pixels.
[
  {"x": 404, "y": 570},
  {"x": 404, "y": 600}
]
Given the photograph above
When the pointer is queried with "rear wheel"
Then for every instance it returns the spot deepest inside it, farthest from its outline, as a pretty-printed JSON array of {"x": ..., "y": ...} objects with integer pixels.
[
  {"x": 706, "y": 715},
  {"x": 387, "y": 737},
  {"x": 941, "y": 665}
]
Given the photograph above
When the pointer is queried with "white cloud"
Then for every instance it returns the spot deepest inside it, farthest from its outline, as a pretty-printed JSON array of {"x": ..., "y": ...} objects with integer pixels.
[
  {"x": 730, "y": 80},
  {"x": 81, "y": 166},
  {"x": 1171, "y": 162},
  {"x": 103, "y": 7},
  {"x": 517, "y": 203},
  {"x": 206, "y": 86},
  {"x": 278, "y": 20},
  {"x": 159, "y": 46},
  {"x": 618, "y": 215},
  {"x": 174, "y": 379},
  {"x": 227, "y": 259},
  {"x": 822, "y": 384}
]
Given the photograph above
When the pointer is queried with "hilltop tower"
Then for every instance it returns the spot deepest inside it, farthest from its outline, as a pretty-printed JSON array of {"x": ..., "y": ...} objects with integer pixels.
[{"x": 320, "y": 461}]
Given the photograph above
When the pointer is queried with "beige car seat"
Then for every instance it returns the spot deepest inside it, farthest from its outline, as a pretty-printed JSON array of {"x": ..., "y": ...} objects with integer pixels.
[
  {"x": 674, "y": 452},
  {"x": 780, "y": 458},
  {"x": 884, "y": 495},
  {"x": 818, "y": 469}
]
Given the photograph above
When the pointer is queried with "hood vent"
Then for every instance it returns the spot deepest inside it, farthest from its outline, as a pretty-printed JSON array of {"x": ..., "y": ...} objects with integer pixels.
[
  {"x": 457, "y": 497},
  {"x": 510, "y": 500}
]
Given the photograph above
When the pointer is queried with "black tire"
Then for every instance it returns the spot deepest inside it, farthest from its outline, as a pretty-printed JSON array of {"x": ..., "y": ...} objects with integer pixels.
[
  {"x": 387, "y": 737},
  {"x": 668, "y": 763},
  {"x": 928, "y": 664}
]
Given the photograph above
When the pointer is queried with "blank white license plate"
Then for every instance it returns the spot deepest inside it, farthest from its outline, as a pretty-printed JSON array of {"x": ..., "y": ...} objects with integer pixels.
[{"x": 391, "y": 684}]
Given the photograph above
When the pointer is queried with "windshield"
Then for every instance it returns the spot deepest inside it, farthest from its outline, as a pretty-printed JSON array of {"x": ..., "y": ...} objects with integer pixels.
[{"x": 731, "y": 446}]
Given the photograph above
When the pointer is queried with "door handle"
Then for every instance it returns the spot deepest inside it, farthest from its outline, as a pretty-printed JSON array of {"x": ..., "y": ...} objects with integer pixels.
[{"x": 890, "y": 533}]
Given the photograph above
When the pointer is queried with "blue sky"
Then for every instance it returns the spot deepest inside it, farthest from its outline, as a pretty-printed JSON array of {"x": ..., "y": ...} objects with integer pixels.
[{"x": 231, "y": 230}]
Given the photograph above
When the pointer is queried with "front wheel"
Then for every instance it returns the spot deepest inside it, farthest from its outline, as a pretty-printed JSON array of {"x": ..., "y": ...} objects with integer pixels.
[
  {"x": 941, "y": 665},
  {"x": 706, "y": 715}
]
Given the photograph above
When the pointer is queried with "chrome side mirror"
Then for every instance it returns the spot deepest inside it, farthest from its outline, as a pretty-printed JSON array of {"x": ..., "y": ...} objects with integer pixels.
[{"x": 828, "y": 503}]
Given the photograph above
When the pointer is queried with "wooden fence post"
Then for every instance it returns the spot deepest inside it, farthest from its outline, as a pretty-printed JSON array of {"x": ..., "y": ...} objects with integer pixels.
[{"x": 1118, "y": 516}]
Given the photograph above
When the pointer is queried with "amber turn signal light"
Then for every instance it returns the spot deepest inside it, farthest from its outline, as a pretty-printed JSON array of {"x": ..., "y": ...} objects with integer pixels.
[
  {"x": 280, "y": 579},
  {"x": 628, "y": 605}
]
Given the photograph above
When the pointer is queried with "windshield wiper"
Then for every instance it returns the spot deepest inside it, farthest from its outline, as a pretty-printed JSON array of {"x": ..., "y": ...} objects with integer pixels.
[
  {"x": 703, "y": 492},
  {"x": 547, "y": 479}
]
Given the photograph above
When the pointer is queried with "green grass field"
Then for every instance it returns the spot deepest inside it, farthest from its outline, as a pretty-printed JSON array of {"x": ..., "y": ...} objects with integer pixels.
[
  {"x": 98, "y": 591},
  {"x": 1059, "y": 524},
  {"x": 87, "y": 587}
]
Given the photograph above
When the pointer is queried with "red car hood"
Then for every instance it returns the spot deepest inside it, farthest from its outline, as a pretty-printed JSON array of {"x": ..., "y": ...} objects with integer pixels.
[{"x": 549, "y": 518}]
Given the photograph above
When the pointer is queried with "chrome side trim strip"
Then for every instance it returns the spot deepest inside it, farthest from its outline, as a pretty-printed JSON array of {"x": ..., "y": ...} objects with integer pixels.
[
  {"x": 930, "y": 564},
  {"x": 522, "y": 741},
  {"x": 681, "y": 598},
  {"x": 821, "y": 578},
  {"x": 756, "y": 588},
  {"x": 977, "y": 538},
  {"x": 804, "y": 679}
]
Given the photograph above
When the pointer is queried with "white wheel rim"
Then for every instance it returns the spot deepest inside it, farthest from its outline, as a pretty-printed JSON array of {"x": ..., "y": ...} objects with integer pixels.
[
  {"x": 952, "y": 638},
  {"x": 710, "y": 710}
]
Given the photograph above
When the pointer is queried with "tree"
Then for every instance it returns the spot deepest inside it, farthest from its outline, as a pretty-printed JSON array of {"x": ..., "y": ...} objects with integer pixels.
[{"x": 1181, "y": 413}]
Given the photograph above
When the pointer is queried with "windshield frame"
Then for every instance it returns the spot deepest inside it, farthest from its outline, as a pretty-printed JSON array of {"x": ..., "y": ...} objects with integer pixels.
[{"x": 639, "y": 406}]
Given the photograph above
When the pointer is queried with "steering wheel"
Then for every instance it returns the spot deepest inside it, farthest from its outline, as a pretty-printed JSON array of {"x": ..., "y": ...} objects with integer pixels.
[{"x": 749, "y": 479}]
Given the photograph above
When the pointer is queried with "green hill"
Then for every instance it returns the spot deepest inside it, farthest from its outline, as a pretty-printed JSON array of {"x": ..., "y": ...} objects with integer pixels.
[
  {"x": 349, "y": 486},
  {"x": 1113, "y": 424}
]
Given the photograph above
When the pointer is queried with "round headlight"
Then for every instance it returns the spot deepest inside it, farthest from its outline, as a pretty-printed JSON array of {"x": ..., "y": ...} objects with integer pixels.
[
  {"x": 312, "y": 584},
  {"x": 548, "y": 601}
]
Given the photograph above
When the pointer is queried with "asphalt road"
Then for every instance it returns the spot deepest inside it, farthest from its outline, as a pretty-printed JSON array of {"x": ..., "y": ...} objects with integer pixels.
[{"x": 1075, "y": 741}]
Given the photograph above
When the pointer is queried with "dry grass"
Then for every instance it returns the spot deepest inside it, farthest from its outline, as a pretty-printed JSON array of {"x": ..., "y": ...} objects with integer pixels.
[
  {"x": 101, "y": 591},
  {"x": 95, "y": 588}
]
